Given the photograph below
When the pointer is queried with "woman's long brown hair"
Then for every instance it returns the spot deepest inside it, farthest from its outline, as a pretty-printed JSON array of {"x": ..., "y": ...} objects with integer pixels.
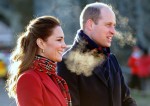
[{"x": 26, "y": 48}]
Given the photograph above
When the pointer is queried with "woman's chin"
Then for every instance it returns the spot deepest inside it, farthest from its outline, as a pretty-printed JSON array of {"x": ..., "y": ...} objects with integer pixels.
[{"x": 59, "y": 60}]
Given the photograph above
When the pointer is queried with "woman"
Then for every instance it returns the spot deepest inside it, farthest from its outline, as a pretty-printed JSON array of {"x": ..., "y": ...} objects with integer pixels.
[{"x": 33, "y": 80}]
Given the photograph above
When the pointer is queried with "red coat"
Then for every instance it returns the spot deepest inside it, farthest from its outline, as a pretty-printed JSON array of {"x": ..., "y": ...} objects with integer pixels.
[
  {"x": 144, "y": 67},
  {"x": 35, "y": 88},
  {"x": 133, "y": 63},
  {"x": 140, "y": 66}
]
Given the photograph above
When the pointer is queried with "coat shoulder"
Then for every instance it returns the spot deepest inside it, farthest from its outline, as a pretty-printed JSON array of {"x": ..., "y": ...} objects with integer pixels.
[{"x": 29, "y": 76}]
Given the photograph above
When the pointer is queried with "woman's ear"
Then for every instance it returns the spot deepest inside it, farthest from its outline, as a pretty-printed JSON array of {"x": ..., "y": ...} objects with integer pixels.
[{"x": 40, "y": 43}]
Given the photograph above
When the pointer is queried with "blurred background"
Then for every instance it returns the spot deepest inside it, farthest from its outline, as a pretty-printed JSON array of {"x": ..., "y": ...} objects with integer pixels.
[{"x": 131, "y": 44}]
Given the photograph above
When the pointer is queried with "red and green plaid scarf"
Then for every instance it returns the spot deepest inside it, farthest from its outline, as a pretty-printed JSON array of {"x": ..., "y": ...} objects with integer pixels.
[{"x": 49, "y": 67}]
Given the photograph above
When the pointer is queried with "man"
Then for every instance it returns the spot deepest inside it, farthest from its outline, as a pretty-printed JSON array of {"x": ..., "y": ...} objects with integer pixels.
[{"x": 91, "y": 71}]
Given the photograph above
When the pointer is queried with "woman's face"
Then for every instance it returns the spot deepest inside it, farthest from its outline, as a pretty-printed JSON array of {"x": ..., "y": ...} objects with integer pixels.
[{"x": 54, "y": 46}]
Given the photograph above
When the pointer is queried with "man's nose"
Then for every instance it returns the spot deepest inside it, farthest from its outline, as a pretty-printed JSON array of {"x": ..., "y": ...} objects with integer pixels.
[{"x": 113, "y": 30}]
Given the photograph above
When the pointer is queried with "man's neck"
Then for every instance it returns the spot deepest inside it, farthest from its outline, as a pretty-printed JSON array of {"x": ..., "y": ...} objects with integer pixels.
[{"x": 87, "y": 33}]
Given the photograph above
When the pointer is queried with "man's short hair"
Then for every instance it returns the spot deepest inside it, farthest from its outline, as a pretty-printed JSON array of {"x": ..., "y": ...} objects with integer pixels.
[{"x": 92, "y": 11}]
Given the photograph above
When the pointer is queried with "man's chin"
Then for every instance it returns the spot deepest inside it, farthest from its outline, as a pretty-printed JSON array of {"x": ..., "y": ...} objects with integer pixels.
[{"x": 108, "y": 45}]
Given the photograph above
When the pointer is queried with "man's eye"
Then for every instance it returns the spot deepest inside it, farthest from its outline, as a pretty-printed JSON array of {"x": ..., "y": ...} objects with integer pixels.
[
  {"x": 107, "y": 25},
  {"x": 58, "y": 39}
]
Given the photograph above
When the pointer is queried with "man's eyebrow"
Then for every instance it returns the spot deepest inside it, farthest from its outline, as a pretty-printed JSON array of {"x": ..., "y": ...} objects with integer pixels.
[
  {"x": 110, "y": 23},
  {"x": 60, "y": 37}
]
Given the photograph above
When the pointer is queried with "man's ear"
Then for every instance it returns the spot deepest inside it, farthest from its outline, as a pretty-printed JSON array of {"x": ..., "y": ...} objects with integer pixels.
[
  {"x": 40, "y": 43},
  {"x": 89, "y": 24}
]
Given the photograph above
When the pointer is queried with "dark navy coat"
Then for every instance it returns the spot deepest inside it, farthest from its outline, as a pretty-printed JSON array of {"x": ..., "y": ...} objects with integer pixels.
[{"x": 95, "y": 90}]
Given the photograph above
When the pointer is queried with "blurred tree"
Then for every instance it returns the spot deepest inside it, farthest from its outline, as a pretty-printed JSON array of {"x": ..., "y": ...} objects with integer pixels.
[
  {"x": 4, "y": 19},
  {"x": 25, "y": 9},
  {"x": 67, "y": 11},
  {"x": 132, "y": 18},
  {"x": 140, "y": 24},
  {"x": 138, "y": 15}
]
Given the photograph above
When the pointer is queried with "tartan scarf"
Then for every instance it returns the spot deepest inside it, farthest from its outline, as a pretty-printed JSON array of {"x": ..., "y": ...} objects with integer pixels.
[{"x": 47, "y": 66}]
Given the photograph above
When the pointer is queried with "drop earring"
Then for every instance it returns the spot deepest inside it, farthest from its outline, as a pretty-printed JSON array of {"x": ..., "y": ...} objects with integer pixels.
[{"x": 43, "y": 51}]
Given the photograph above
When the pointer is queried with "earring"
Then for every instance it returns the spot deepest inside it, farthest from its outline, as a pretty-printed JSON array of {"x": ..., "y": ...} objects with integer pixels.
[{"x": 43, "y": 51}]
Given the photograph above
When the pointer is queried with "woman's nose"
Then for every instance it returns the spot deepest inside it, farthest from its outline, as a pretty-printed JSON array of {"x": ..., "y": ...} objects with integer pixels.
[{"x": 64, "y": 45}]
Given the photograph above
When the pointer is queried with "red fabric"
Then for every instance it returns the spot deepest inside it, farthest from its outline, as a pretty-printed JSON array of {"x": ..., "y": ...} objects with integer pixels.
[
  {"x": 144, "y": 66},
  {"x": 133, "y": 63},
  {"x": 35, "y": 88},
  {"x": 140, "y": 66},
  {"x": 48, "y": 67}
]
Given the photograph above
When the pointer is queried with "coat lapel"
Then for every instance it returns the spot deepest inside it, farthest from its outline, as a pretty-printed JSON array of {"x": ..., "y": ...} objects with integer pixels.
[
  {"x": 111, "y": 83},
  {"x": 51, "y": 86},
  {"x": 113, "y": 71},
  {"x": 98, "y": 72}
]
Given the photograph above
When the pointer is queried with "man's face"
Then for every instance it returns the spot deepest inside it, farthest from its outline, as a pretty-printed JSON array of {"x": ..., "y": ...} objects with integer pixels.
[{"x": 103, "y": 32}]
